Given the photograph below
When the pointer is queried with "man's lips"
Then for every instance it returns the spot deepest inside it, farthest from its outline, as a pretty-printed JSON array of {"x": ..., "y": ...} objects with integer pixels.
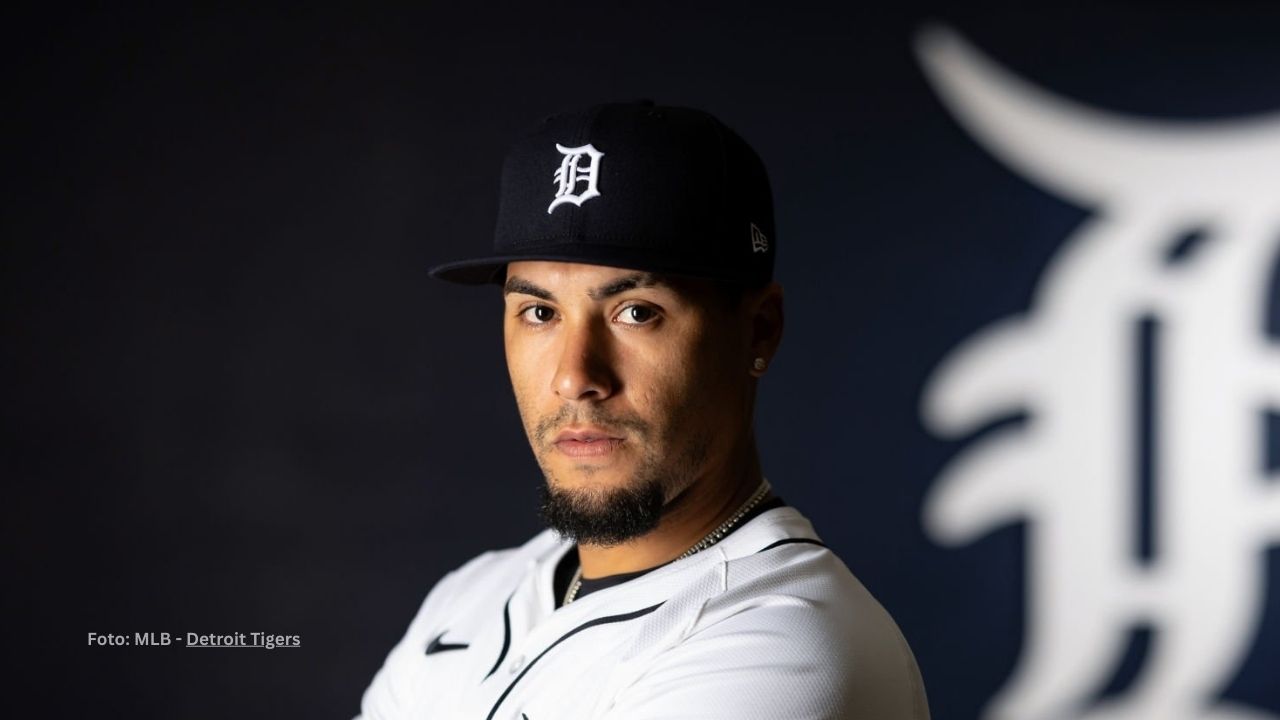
[
  {"x": 586, "y": 434},
  {"x": 586, "y": 442}
]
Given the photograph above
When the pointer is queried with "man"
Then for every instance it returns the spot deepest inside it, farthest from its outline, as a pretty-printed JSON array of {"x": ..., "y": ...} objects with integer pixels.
[{"x": 635, "y": 247}]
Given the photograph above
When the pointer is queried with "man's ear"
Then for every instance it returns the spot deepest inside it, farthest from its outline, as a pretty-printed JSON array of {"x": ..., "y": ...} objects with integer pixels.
[{"x": 765, "y": 315}]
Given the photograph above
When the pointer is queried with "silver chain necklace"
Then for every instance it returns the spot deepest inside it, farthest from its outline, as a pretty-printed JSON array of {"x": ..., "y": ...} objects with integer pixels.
[{"x": 710, "y": 539}]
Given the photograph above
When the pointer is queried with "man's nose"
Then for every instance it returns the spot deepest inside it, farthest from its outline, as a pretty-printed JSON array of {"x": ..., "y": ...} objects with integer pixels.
[{"x": 584, "y": 370}]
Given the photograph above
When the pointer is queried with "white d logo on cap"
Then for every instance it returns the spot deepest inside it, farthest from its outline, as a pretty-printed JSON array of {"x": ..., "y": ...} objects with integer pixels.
[{"x": 571, "y": 172}]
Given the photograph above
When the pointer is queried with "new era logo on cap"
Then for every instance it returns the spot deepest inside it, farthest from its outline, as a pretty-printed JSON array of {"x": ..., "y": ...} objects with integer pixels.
[{"x": 759, "y": 243}]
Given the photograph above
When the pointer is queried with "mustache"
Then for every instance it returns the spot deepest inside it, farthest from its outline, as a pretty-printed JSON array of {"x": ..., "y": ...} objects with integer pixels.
[{"x": 549, "y": 426}]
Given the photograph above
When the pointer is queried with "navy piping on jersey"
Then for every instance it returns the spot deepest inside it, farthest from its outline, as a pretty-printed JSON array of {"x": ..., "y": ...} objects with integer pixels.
[
  {"x": 788, "y": 541},
  {"x": 590, "y": 623},
  {"x": 506, "y": 635}
]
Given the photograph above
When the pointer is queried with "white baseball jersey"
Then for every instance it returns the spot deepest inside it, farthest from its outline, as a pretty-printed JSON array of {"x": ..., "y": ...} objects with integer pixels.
[{"x": 767, "y": 624}]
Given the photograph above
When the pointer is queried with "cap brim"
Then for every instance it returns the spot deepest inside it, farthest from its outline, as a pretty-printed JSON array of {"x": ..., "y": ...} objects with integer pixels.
[
  {"x": 491, "y": 270},
  {"x": 480, "y": 271}
]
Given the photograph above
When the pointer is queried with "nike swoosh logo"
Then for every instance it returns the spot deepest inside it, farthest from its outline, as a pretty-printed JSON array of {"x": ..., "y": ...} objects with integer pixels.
[{"x": 436, "y": 646}]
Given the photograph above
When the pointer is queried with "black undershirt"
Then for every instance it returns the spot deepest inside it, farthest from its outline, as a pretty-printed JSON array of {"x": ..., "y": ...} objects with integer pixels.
[{"x": 569, "y": 563}]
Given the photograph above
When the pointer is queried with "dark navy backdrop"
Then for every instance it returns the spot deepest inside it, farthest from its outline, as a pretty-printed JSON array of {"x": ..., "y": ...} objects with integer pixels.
[{"x": 237, "y": 403}]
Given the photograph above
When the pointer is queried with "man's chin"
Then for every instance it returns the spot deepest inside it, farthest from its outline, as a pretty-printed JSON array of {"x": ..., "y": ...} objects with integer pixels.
[{"x": 601, "y": 513}]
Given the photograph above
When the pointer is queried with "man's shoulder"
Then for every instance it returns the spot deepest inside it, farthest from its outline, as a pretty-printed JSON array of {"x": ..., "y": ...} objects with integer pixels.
[
  {"x": 784, "y": 576},
  {"x": 806, "y": 591},
  {"x": 772, "y": 623}
]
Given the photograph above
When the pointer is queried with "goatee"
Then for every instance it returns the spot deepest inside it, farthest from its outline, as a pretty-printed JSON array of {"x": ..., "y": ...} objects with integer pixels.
[{"x": 603, "y": 516}]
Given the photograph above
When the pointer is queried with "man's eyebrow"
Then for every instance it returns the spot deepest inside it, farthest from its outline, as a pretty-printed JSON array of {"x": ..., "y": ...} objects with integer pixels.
[
  {"x": 517, "y": 284},
  {"x": 625, "y": 283}
]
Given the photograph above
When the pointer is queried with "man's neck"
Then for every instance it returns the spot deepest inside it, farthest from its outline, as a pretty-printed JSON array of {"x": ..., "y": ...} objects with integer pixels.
[{"x": 707, "y": 503}]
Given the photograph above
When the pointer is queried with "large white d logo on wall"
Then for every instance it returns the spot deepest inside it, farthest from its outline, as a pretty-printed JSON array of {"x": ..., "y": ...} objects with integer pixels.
[{"x": 1144, "y": 353}]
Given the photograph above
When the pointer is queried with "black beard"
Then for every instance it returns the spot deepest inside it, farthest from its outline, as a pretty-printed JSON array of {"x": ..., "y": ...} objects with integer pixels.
[{"x": 609, "y": 517}]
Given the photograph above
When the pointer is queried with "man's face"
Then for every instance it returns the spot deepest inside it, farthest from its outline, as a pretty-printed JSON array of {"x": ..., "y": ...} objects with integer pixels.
[{"x": 631, "y": 386}]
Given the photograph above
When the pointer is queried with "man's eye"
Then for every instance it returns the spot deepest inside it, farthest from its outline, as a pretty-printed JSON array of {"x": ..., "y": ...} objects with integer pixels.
[
  {"x": 636, "y": 315},
  {"x": 538, "y": 314}
]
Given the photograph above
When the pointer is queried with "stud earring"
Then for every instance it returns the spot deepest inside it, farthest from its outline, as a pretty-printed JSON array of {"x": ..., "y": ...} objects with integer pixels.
[{"x": 758, "y": 364}]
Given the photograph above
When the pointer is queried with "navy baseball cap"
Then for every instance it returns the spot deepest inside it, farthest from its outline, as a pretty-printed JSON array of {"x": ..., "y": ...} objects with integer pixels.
[{"x": 632, "y": 185}]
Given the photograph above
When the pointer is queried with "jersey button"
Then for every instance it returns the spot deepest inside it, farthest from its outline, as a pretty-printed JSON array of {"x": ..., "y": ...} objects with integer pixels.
[{"x": 516, "y": 663}]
